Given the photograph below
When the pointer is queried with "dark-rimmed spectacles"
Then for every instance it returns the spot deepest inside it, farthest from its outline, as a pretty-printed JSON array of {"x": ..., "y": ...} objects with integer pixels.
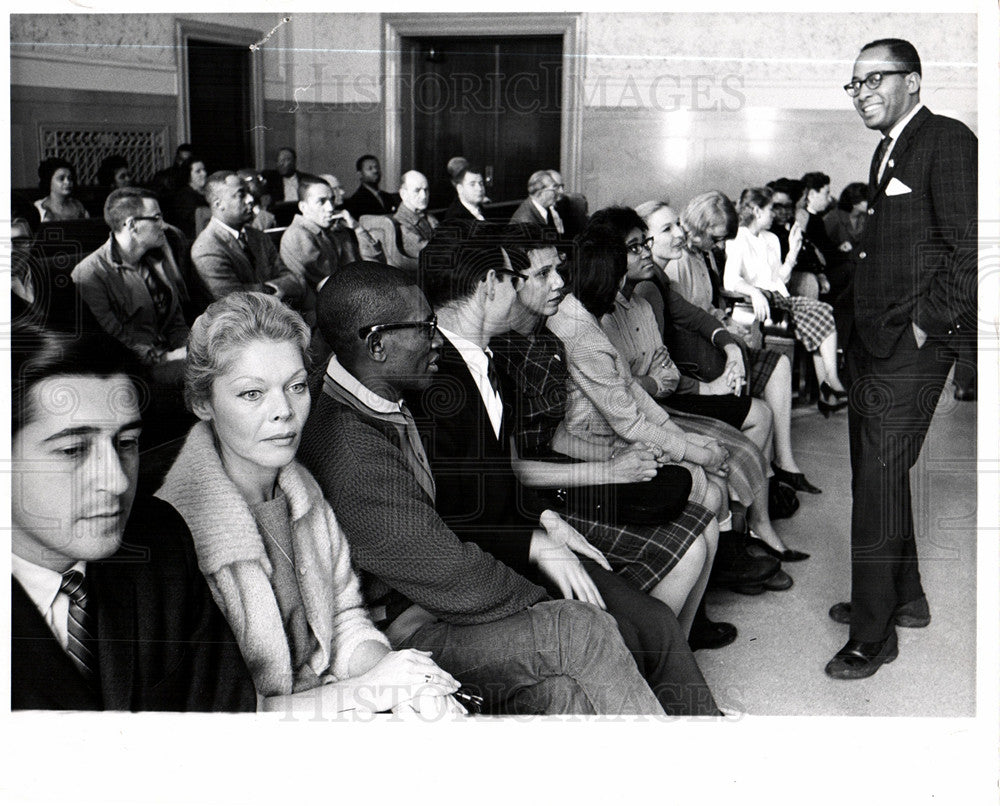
[
  {"x": 429, "y": 325},
  {"x": 872, "y": 81},
  {"x": 158, "y": 217},
  {"x": 636, "y": 248}
]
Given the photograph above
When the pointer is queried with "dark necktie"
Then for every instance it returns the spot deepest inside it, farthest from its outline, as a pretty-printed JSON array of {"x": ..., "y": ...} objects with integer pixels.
[
  {"x": 80, "y": 640},
  {"x": 492, "y": 374},
  {"x": 873, "y": 177},
  {"x": 244, "y": 245}
]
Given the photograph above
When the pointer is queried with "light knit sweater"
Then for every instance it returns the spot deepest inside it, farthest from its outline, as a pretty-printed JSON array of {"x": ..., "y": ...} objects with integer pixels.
[{"x": 232, "y": 557}]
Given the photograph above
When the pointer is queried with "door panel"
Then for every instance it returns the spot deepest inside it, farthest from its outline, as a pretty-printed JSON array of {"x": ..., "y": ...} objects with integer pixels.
[
  {"x": 494, "y": 101},
  {"x": 219, "y": 103}
]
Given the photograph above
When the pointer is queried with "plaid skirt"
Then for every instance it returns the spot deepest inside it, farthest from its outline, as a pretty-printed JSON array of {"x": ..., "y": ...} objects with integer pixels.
[
  {"x": 762, "y": 364},
  {"x": 644, "y": 555},
  {"x": 748, "y": 470},
  {"x": 813, "y": 319}
]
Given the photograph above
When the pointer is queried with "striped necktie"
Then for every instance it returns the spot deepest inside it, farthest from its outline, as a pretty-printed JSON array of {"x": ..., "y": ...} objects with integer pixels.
[
  {"x": 81, "y": 643},
  {"x": 875, "y": 175}
]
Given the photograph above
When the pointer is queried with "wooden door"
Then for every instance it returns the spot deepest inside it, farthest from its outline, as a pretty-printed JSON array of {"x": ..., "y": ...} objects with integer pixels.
[
  {"x": 220, "y": 106},
  {"x": 496, "y": 102}
]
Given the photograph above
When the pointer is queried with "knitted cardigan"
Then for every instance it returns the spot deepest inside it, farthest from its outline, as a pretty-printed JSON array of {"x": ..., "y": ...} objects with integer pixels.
[{"x": 232, "y": 557}]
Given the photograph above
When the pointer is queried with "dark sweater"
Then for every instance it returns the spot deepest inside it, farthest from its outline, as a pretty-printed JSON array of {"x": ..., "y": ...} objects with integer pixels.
[{"x": 405, "y": 551}]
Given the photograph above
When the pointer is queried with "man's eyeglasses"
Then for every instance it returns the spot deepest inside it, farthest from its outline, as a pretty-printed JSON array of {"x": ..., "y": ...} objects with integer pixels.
[
  {"x": 429, "y": 325},
  {"x": 158, "y": 217},
  {"x": 872, "y": 81},
  {"x": 518, "y": 278},
  {"x": 636, "y": 248}
]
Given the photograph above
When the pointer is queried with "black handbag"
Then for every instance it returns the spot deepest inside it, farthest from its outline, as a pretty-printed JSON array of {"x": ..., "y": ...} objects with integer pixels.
[{"x": 646, "y": 503}]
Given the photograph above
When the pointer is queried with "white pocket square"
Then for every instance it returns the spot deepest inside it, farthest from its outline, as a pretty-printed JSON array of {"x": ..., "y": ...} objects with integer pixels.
[{"x": 896, "y": 188}]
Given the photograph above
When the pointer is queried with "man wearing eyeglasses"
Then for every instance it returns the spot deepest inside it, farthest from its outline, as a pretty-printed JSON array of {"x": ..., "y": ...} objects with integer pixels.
[
  {"x": 428, "y": 588},
  {"x": 540, "y": 206},
  {"x": 914, "y": 290},
  {"x": 133, "y": 286}
]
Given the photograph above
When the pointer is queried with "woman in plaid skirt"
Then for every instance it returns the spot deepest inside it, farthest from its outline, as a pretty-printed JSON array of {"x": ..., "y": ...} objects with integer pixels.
[{"x": 754, "y": 267}]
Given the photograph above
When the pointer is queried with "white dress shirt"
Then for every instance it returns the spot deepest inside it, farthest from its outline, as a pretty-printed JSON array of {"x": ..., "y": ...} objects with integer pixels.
[
  {"x": 42, "y": 586},
  {"x": 894, "y": 133},
  {"x": 475, "y": 358}
]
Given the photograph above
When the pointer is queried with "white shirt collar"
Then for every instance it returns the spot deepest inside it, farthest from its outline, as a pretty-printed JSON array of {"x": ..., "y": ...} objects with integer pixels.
[
  {"x": 471, "y": 352},
  {"x": 896, "y": 130},
  {"x": 227, "y": 228},
  {"x": 375, "y": 402},
  {"x": 543, "y": 210},
  {"x": 477, "y": 213},
  {"x": 41, "y": 584}
]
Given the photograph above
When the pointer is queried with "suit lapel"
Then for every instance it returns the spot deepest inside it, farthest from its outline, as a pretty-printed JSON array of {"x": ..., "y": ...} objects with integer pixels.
[
  {"x": 39, "y": 663},
  {"x": 229, "y": 243},
  {"x": 901, "y": 149},
  {"x": 117, "y": 630},
  {"x": 451, "y": 360}
]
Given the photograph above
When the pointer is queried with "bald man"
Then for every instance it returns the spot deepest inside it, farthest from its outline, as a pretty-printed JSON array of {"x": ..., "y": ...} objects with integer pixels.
[{"x": 414, "y": 222}]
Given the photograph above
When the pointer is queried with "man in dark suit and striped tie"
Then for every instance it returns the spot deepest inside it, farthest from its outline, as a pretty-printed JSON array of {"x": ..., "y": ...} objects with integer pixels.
[
  {"x": 914, "y": 290},
  {"x": 108, "y": 608}
]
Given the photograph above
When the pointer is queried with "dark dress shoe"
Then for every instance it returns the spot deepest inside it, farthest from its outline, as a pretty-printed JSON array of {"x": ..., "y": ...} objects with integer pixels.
[
  {"x": 913, "y": 614},
  {"x": 711, "y": 635},
  {"x": 786, "y": 556},
  {"x": 779, "y": 581},
  {"x": 733, "y": 565},
  {"x": 797, "y": 481},
  {"x": 859, "y": 659}
]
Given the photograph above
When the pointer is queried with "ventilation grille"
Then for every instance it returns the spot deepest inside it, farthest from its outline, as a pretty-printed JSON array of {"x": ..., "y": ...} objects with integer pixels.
[{"x": 145, "y": 150}]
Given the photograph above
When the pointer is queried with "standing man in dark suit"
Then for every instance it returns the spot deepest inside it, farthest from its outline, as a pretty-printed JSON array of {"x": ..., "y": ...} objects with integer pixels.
[
  {"x": 229, "y": 256},
  {"x": 914, "y": 287},
  {"x": 108, "y": 608},
  {"x": 540, "y": 206},
  {"x": 368, "y": 199},
  {"x": 283, "y": 183}
]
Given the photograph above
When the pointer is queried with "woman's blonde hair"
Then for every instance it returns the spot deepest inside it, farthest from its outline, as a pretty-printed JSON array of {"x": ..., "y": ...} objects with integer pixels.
[
  {"x": 234, "y": 321},
  {"x": 708, "y": 210}
]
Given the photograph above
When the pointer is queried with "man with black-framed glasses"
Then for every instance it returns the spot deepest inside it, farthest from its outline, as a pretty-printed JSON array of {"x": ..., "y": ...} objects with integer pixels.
[
  {"x": 427, "y": 587},
  {"x": 914, "y": 294},
  {"x": 133, "y": 286}
]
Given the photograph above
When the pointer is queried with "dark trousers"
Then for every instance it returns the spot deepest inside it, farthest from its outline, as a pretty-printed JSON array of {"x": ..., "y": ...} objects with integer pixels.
[
  {"x": 892, "y": 401},
  {"x": 653, "y": 636}
]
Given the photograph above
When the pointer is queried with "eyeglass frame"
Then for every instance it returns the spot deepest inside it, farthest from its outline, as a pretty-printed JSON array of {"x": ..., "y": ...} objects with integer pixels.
[
  {"x": 157, "y": 217},
  {"x": 515, "y": 274},
  {"x": 430, "y": 323},
  {"x": 853, "y": 87},
  {"x": 636, "y": 248}
]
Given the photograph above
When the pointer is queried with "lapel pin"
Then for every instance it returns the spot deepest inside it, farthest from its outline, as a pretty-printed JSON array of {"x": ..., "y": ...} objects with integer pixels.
[{"x": 892, "y": 163}]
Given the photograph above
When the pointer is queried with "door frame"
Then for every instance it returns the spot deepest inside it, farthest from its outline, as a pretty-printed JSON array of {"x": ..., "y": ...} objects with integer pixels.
[
  {"x": 569, "y": 26},
  {"x": 226, "y": 35}
]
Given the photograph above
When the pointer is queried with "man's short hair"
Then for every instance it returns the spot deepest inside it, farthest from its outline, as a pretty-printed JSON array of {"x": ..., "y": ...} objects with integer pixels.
[
  {"x": 183, "y": 147},
  {"x": 901, "y": 51},
  {"x": 793, "y": 188},
  {"x": 307, "y": 181},
  {"x": 290, "y": 150},
  {"x": 459, "y": 175},
  {"x": 360, "y": 294},
  {"x": 458, "y": 257},
  {"x": 538, "y": 181},
  {"x": 363, "y": 159},
  {"x": 814, "y": 180},
  {"x": 124, "y": 203},
  {"x": 215, "y": 183},
  {"x": 38, "y": 354}
]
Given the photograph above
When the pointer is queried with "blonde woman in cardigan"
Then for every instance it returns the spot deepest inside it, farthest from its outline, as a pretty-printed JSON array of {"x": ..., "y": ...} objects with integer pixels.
[{"x": 267, "y": 542}]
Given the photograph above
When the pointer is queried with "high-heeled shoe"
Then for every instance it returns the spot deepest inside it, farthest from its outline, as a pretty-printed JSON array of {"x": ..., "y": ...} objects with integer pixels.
[
  {"x": 786, "y": 556},
  {"x": 826, "y": 409},
  {"x": 797, "y": 481},
  {"x": 828, "y": 391}
]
